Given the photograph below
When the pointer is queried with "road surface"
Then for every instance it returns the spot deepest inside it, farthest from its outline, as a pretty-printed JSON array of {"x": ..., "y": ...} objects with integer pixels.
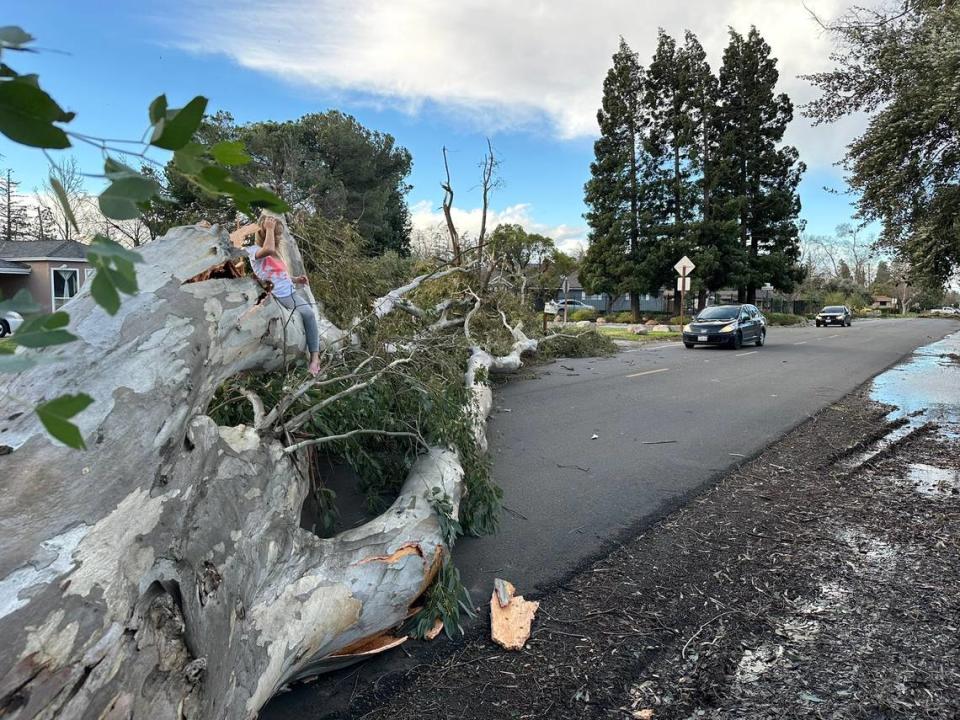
[
  {"x": 667, "y": 421},
  {"x": 567, "y": 495}
]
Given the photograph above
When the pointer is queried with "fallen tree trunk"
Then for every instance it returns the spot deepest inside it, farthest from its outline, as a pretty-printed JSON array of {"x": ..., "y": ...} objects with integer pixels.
[{"x": 163, "y": 572}]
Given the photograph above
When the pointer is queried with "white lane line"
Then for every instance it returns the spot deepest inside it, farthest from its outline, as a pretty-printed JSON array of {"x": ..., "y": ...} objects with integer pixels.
[
  {"x": 831, "y": 336},
  {"x": 648, "y": 372},
  {"x": 802, "y": 342},
  {"x": 752, "y": 352}
]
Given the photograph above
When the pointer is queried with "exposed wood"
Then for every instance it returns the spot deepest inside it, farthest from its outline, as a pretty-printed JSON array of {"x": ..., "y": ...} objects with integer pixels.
[
  {"x": 510, "y": 624},
  {"x": 163, "y": 572}
]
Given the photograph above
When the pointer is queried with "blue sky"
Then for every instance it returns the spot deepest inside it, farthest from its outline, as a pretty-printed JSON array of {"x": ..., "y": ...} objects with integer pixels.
[{"x": 526, "y": 74}]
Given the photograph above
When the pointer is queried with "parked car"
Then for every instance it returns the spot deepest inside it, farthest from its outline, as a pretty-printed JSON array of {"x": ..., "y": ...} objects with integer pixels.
[
  {"x": 555, "y": 307},
  {"x": 9, "y": 322},
  {"x": 729, "y": 325},
  {"x": 945, "y": 310},
  {"x": 834, "y": 315}
]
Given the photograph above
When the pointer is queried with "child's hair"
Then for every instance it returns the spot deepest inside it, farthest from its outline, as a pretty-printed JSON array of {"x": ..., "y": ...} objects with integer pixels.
[{"x": 277, "y": 234}]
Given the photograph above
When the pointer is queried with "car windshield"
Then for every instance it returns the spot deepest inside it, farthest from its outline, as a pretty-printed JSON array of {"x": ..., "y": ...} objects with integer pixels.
[
  {"x": 720, "y": 312},
  {"x": 833, "y": 309}
]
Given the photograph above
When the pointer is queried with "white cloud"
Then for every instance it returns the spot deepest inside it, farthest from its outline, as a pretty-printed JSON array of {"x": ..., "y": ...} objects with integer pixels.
[
  {"x": 429, "y": 226},
  {"x": 501, "y": 63}
]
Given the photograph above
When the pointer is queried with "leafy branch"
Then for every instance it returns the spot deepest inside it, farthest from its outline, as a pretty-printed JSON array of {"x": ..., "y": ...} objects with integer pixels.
[{"x": 30, "y": 116}]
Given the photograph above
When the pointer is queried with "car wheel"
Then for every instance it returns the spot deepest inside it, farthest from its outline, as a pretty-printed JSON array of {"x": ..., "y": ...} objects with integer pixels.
[
  {"x": 849, "y": 322},
  {"x": 688, "y": 345},
  {"x": 738, "y": 340},
  {"x": 4, "y": 328},
  {"x": 818, "y": 323},
  {"x": 761, "y": 338}
]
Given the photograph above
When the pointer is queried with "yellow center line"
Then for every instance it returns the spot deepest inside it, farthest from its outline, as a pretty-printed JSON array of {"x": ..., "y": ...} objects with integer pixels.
[{"x": 648, "y": 372}]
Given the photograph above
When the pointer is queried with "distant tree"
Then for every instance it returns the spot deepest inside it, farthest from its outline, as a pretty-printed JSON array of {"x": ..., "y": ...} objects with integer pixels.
[
  {"x": 15, "y": 221},
  {"x": 614, "y": 194},
  {"x": 325, "y": 164},
  {"x": 517, "y": 253},
  {"x": 55, "y": 222},
  {"x": 843, "y": 271},
  {"x": 899, "y": 64},
  {"x": 883, "y": 281},
  {"x": 757, "y": 183}
]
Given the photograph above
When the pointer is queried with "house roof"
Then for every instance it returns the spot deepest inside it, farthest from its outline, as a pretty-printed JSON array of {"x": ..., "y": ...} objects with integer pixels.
[
  {"x": 61, "y": 249},
  {"x": 8, "y": 267}
]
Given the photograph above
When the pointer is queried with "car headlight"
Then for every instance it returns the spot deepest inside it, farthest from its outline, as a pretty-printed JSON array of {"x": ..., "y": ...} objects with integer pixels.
[
  {"x": 687, "y": 328},
  {"x": 729, "y": 328}
]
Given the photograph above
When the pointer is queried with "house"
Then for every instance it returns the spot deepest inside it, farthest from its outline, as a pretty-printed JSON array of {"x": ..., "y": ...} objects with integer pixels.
[
  {"x": 601, "y": 301},
  {"x": 52, "y": 271},
  {"x": 884, "y": 302}
]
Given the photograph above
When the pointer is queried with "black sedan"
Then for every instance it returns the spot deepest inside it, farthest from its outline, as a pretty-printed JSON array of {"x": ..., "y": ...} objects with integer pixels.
[
  {"x": 729, "y": 325},
  {"x": 834, "y": 315}
]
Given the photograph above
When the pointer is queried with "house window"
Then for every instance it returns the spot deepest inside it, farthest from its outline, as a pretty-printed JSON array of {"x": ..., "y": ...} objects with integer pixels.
[{"x": 66, "y": 284}]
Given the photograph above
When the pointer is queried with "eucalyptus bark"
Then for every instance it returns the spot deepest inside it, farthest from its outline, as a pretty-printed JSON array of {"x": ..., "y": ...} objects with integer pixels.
[{"x": 163, "y": 572}]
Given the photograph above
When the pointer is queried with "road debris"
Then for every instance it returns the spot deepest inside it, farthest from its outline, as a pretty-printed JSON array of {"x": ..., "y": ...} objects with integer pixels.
[{"x": 511, "y": 617}]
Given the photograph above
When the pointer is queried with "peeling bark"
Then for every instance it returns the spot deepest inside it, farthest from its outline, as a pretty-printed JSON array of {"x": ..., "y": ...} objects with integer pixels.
[{"x": 163, "y": 572}]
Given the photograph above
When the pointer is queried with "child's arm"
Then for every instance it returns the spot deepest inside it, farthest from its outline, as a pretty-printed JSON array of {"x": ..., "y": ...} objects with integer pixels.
[
  {"x": 269, "y": 240},
  {"x": 237, "y": 236}
]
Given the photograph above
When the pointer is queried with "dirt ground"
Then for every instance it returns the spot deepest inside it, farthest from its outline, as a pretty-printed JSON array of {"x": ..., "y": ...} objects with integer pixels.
[{"x": 820, "y": 579}]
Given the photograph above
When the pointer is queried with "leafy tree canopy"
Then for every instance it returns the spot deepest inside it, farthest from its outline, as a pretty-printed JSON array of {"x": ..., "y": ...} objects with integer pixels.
[
  {"x": 324, "y": 164},
  {"x": 899, "y": 64}
]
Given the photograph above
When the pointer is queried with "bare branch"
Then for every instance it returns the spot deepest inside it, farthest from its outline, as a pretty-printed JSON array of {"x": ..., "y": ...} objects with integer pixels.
[
  {"x": 299, "y": 420},
  {"x": 448, "y": 214},
  {"x": 257, "y": 403},
  {"x": 344, "y": 436}
]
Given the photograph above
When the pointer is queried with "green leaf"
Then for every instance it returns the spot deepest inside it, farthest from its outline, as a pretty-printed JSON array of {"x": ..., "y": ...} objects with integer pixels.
[
  {"x": 158, "y": 109},
  {"x": 115, "y": 272},
  {"x": 230, "y": 153},
  {"x": 121, "y": 201},
  {"x": 179, "y": 126},
  {"x": 189, "y": 159},
  {"x": 116, "y": 170},
  {"x": 14, "y": 38},
  {"x": 55, "y": 416},
  {"x": 104, "y": 247},
  {"x": 43, "y": 331},
  {"x": 22, "y": 302},
  {"x": 27, "y": 115},
  {"x": 104, "y": 291},
  {"x": 61, "y": 194}
]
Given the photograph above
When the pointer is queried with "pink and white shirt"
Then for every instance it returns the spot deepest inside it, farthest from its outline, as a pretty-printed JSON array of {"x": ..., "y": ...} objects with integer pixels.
[{"x": 271, "y": 268}]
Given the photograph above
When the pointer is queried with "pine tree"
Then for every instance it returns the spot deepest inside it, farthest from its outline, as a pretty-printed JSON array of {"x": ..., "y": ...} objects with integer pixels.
[
  {"x": 757, "y": 183},
  {"x": 669, "y": 137},
  {"x": 14, "y": 218},
  {"x": 613, "y": 193}
]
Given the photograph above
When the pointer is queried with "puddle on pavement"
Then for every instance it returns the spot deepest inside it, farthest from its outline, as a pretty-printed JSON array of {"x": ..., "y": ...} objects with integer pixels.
[
  {"x": 934, "y": 482},
  {"x": 924, "y": 388}
]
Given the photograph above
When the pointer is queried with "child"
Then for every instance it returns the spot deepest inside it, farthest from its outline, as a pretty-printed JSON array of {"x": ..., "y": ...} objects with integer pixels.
[{"x": 268, "y": 266}]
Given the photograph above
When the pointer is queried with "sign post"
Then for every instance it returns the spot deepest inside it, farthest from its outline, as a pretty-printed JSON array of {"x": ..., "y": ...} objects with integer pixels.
[
  {"x": 566, "y": 291},
  {"x": 683, "y": 268}
]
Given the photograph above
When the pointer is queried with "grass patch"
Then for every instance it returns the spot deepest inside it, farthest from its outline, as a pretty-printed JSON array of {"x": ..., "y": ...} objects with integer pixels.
[{"x": 622, "y": 334}]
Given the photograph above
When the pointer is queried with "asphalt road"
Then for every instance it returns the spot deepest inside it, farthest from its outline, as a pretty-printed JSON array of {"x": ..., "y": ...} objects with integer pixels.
[
  {"x": 568, "y": 496},
  {"x": 667, "y": 420}
]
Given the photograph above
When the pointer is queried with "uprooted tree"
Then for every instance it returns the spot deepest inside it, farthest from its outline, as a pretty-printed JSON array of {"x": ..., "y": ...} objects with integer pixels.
[{"x": 164, "y": 572}]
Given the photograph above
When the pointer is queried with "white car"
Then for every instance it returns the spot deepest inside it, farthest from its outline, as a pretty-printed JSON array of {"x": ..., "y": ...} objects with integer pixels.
[
  {"x": 556, "y": 307},
  {"x": 947, "y": 310},
  {"x": 9, "y": 322}
]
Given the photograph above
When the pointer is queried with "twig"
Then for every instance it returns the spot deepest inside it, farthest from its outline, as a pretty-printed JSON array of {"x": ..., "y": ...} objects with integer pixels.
[{"x": 344, "y": 436}]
